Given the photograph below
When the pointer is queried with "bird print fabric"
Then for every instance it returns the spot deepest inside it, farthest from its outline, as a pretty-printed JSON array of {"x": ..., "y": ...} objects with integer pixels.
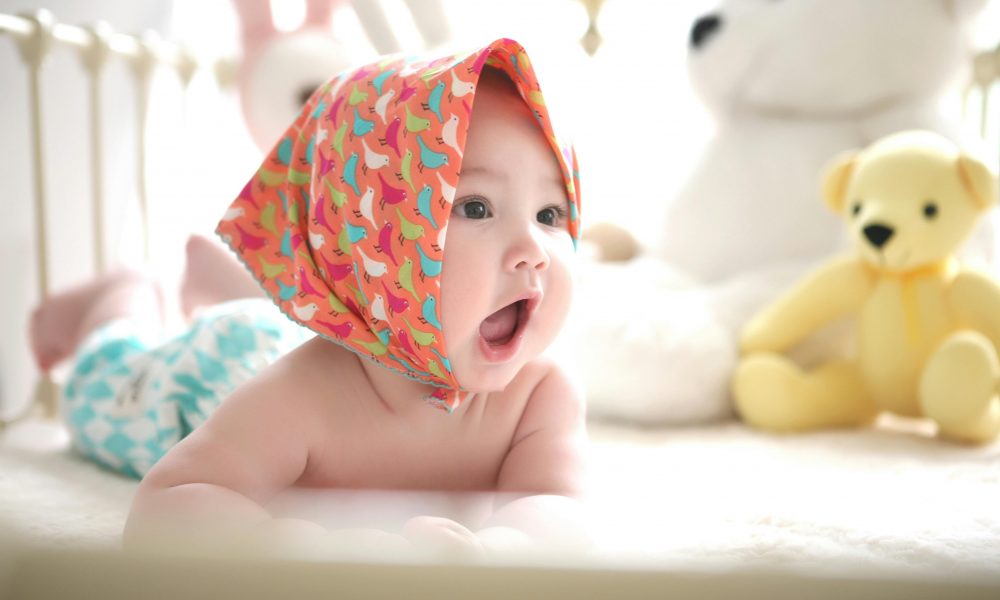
[{"x": 344, "y": 224}]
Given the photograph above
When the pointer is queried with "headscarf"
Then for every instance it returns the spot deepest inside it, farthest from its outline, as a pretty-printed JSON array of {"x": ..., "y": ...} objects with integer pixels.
[{"x": 344, "y": 222}]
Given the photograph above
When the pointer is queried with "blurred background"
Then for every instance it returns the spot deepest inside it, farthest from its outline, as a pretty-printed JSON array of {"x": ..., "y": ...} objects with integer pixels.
[{"x": 200, "y": 152}]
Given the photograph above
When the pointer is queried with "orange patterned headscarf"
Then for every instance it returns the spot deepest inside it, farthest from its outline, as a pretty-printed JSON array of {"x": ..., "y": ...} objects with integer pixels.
[{"x": 344, "y": 222}]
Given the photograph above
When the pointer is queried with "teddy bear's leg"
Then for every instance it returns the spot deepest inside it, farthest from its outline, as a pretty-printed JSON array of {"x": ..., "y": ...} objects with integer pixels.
[
  {"x": 773, "y": 393},
  {"x": 958, "y": 388}
]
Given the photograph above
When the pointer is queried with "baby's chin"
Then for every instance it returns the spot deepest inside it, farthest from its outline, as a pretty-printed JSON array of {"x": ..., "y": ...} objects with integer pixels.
[
  {"x": 490, "y": 378},
  {"x": 477, "y": 374},
  {"x": 485, "y": 385}
]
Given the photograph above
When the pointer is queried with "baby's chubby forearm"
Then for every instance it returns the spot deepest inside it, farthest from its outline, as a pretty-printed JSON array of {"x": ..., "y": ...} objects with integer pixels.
[
  {"x": 212, "y": 519},
  {"x": 194, "y": 513}
]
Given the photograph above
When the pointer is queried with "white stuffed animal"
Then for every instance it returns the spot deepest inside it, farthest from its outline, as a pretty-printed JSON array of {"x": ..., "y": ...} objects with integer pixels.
[{"x": 790, "y": 84}]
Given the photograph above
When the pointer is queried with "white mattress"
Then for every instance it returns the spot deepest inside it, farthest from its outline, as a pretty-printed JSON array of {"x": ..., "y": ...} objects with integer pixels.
[{"x": 892, "y": 500}]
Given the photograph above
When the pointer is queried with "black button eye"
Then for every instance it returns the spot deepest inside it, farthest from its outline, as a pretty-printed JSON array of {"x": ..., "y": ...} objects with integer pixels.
[
  {"x": 305, "y": 92},
  {"x": 856, "y": 208},
  {"x": 930, "y": 210}
]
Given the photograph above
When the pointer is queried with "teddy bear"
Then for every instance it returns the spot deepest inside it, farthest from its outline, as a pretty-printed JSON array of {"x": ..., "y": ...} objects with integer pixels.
[
  {"x": 927, "y": 327},
  {"x": 789, "y": 85}
]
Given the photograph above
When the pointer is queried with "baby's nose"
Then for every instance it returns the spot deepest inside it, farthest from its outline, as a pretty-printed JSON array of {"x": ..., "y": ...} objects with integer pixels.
[{"x": 527, "y": 252}]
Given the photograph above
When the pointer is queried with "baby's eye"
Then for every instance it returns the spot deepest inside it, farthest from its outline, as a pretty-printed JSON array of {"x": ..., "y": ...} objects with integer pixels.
[
  {"x": 551, "y": 216},
  {"x": 473, "y": 209}
]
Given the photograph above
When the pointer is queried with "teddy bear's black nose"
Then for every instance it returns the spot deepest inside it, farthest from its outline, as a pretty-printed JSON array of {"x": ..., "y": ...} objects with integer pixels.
[
  {"x": 878, "y": 235},
  {"x": 703, "y": 29}
]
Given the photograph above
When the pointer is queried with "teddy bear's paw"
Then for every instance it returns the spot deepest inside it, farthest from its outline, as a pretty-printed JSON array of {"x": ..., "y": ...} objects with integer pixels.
[
  {"x": 767, "y": 389},
  {"x": 773, "y": 392},
  {"x": 958, "y": 388}
]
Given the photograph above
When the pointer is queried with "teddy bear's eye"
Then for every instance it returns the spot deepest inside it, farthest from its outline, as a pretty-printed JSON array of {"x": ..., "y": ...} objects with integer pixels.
[
  {"x": 930, "y": 210},
  {"x": 856, "y": 208}
]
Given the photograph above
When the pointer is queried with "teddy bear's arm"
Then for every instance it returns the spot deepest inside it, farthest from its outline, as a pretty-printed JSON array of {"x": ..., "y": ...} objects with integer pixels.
[
  {"x": 837, "y": 288},
  {"x": 974, "y": 297}
]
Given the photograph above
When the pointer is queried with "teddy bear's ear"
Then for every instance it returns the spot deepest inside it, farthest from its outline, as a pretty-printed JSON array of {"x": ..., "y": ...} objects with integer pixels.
[
  {"x": 978, "y": 180},
  {"x": 835, "y": 178}
]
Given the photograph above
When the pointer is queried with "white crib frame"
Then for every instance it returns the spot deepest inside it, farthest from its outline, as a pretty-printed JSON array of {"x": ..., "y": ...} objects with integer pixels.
[{"x": 38, "y": 32}]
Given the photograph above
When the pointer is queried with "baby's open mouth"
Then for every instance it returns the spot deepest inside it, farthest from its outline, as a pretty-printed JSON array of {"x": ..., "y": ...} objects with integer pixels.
[{"x": 499, "y": 328}]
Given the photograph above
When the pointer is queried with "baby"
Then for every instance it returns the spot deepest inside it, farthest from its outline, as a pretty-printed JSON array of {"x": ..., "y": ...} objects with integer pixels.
[{"x": 420, "y": 217}]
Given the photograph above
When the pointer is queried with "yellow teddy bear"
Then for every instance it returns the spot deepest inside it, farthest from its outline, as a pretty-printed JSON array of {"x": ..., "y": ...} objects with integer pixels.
[{"x": 928, "y": 328}]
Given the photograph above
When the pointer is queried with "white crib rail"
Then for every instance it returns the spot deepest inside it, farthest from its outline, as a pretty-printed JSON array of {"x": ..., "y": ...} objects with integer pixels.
[
  {"x": 985, "y": 77},
  {"x": 36, "y": 34}
]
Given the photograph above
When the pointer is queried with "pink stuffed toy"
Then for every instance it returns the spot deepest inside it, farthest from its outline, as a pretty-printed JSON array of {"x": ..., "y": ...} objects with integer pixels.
[{"x": 280, "y": 69}]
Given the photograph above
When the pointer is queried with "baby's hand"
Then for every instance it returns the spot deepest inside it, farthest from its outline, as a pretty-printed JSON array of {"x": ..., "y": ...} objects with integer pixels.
[
  {"x": 500, "y": 540},
  {"x": 443, "y": 536},
  {"x": 286, "y": 537},
  {"x": 374, "y": 542},
  {"x": 301, "y": 539}
]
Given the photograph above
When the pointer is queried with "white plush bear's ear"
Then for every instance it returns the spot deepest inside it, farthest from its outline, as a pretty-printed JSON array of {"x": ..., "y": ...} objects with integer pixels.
[
  {"x": 978, "y": 180},
  {"x": 835, "y": 178},
  {"x": 964, "y": 10}
]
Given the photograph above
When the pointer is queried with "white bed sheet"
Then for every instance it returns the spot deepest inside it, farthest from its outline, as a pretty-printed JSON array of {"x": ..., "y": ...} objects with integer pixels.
[{"x": 891, "y": 500}]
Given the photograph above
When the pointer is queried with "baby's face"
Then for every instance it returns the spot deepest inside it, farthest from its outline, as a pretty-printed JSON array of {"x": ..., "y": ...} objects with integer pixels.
[{"x": 506, "y": 283}]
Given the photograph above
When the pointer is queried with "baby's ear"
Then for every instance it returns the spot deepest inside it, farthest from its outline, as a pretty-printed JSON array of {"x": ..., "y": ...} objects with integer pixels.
[
  {"x": 835, "y": 178},
  {"x": 978, "y": 180}
]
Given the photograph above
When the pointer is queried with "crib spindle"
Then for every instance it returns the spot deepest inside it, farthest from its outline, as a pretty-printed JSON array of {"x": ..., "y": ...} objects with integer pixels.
[
  {"x": 985, "y": 76},
  {"x": 94, "y": 58},
  {"x": 142, "y": 67},
  {"x": 34, "y": 48}
]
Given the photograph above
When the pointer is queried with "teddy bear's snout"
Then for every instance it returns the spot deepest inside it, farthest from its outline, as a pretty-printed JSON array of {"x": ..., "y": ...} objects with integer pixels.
[
  {"x": 877, "y": 234},
  {"x": 703, "y": 29}
]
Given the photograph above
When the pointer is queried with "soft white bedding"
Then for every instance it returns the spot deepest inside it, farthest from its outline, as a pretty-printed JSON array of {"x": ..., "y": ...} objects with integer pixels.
[{"x": 890, "y": 500}]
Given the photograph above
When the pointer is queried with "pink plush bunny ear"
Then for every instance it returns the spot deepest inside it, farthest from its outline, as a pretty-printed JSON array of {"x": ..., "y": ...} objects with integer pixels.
[
  {"x": 256, "y": 25},
  {"x": 280, "y": 70},
  {"x": 319, "y": 13}
]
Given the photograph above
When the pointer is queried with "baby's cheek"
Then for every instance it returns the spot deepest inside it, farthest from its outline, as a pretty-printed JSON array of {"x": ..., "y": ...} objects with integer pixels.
[
  {"x": 564, "y": 269},
  {"x": 559, "y": 294}
]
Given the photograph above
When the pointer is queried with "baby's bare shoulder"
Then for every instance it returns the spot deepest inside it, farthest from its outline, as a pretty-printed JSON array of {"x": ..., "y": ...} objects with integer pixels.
[
  {"x": 296, "y": 390},
  {"x": 546, "y": 452},
  {"x": 549, "y": 392}
]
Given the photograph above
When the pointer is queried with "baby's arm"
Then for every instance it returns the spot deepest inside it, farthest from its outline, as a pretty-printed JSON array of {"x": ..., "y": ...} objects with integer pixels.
[
  {"x": 216, "y": 481},
  {"x": 543, "y": 472},
  {"x": 537, "y": 485}
]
